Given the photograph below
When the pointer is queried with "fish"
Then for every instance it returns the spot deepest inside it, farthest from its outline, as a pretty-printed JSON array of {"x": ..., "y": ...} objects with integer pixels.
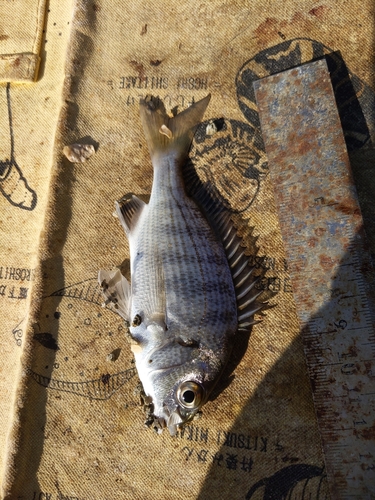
[{"x": 192, "y": 289}]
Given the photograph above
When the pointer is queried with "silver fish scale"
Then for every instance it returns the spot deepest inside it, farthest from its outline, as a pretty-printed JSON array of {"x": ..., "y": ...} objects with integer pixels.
[{"x": 194, "y": 277}]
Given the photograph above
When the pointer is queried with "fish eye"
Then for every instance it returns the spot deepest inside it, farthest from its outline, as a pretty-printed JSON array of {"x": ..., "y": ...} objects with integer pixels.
[{"x": 190, "y": 394}]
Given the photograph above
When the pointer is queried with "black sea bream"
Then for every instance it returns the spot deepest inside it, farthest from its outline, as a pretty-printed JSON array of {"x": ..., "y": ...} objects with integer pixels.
[{"x": 191, "y": 286}]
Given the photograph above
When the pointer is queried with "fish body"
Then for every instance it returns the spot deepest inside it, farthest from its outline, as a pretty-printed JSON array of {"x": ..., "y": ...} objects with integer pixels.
[{"x": 182, "y": 304}]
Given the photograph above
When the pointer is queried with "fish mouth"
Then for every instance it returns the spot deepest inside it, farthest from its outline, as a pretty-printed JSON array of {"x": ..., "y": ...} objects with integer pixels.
[
  {"x": 164, "y": 418},
  {"x": 172, "y": 420}
]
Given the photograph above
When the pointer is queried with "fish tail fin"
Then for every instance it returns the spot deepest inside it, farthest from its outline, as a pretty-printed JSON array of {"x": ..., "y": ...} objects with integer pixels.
[{"x": 166, "y": 134}]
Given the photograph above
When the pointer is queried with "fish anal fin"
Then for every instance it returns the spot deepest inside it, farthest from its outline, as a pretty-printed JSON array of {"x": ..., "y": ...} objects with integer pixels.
[
  {"x": 116, "y": 291},
  {"x": 128, "y": 210},
  {"x": 166, "y": 134}
]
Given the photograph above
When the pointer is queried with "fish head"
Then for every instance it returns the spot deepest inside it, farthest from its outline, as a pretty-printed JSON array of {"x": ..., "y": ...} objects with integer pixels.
[
  {"x": 181, "y": 404},
  {"x": 177, "y": 391},
  {"x": 177, "y": 372}
]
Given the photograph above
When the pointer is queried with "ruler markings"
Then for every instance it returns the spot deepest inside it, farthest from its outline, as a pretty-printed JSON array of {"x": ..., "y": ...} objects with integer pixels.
[{"x": 330, "y": 267}]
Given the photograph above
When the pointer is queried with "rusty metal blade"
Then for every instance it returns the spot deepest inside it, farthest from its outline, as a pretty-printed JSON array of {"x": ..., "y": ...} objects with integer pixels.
[{"x": 330, "y": 266}]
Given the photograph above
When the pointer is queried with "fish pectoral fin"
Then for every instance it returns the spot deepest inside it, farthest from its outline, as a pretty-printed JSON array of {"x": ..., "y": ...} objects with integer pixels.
[
  {"x": 128, "y": 210},
  {"x": 155, "y": 308},
  {"x": 116, "y": 291}
]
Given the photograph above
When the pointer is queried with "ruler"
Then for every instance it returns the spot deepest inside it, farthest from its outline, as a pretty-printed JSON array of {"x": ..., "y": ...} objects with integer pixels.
[{"x": 330, "y": 266}]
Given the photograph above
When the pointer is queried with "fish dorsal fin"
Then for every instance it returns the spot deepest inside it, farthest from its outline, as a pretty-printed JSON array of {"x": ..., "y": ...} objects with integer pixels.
[
  {"x": 164, "y": 133},
  {"x": 128, "y": 210},
  {"x": 116, "y": 290},
  {"x": 242, "y": 272}
]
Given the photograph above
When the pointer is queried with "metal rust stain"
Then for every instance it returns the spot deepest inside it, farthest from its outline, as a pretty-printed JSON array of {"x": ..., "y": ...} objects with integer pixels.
[{"x": 330, "y": 267}]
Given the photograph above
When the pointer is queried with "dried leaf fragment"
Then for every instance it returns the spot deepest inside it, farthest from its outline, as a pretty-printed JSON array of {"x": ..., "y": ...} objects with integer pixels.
[
  {"x": 78, "y": 153},
  {"x": 113, "y": 356},
  {"x": 166, "y": 131},
  {"x": 211, "y": 128}
]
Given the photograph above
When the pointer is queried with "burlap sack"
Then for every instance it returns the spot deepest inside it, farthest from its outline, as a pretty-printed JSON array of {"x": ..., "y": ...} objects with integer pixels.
[
  {"x": 28, "y": 121},
  {"x": 72, "y": 420},
  {"x": 20, "y": 39}
]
